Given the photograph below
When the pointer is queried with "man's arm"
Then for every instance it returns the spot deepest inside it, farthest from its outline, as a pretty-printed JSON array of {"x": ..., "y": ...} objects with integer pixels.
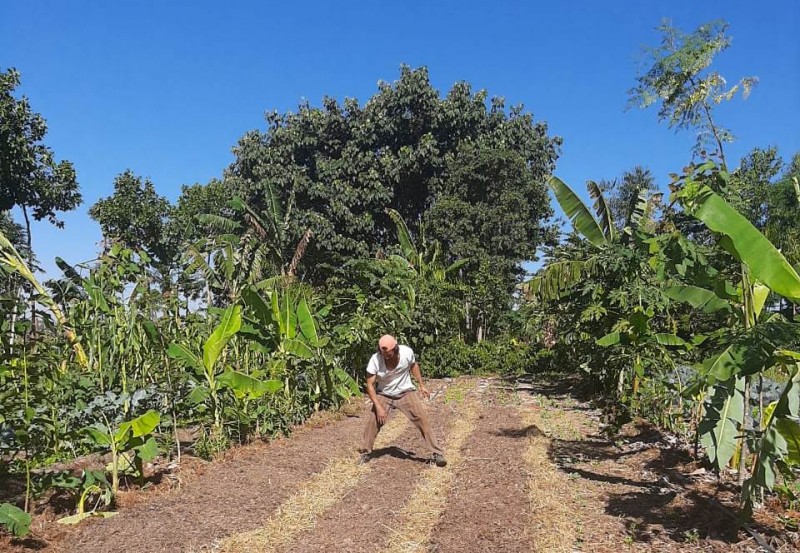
[
  {"x": 380, "y": 412},
  {"x": 417, "y": 374}
]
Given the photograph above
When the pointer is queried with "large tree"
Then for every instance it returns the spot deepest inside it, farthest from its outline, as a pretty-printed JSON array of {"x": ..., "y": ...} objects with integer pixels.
[
  {"x": 783, "y": 211},
  {"x": 337, "y": 168},
  {"x": 136, "y": 216},
  {"x": 30, "y": 178},
  {"x": 750, "y": 185}
]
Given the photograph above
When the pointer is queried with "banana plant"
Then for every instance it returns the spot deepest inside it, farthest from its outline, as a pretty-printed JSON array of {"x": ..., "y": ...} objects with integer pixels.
[
  {"x": 210, "y": 377},
  {"x": 765, "y": 341},
  {"x": 284, "y": 328},
  {"x": 557, "y": 278},
  {"x": 426, "y": 264},
  {"x": 129, "y": 444}
]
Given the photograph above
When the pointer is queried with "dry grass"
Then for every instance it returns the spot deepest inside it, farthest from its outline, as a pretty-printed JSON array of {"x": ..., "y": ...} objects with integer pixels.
[
  {"x": 300, "y": 511},
  {"x": 553, "y": 521},
  {"x": 422, "y": 511}
]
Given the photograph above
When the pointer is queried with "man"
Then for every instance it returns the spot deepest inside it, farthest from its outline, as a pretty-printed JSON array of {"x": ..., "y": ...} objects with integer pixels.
[{"x": 389, "y": 387}]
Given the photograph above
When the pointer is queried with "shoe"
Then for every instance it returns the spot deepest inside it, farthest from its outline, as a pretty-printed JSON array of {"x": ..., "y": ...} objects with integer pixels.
[
  {"x": 439, "y": 460},
  {"x": 364, "y": 458}
]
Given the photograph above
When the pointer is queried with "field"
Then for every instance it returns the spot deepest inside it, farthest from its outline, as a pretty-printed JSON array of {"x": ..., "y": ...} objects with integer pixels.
[{"x": 529, "y": 470}]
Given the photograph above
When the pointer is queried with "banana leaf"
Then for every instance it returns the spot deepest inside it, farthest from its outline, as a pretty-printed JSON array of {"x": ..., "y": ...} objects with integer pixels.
[
  {"x": 697, "y": 297},
  {"x": 226, "y": 329},
  {"x": 580, "y": 216},
  {"x": 723, "y": 415},
  {"x": 766, "y": 263}
]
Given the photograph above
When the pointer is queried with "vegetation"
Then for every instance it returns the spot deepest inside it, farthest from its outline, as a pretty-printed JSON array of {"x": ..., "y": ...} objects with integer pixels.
[{"x": 256, "y": 299}]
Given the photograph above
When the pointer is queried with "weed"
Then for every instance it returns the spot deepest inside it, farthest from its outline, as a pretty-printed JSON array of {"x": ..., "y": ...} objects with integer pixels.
[{"x": 691, "y": 536}]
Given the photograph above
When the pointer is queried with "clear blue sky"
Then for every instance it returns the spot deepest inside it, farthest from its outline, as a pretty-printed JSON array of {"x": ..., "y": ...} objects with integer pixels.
[{"x": 167, "y": 88}]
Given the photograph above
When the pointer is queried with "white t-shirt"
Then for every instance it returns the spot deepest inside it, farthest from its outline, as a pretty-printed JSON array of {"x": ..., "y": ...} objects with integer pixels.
[{"x": 397, "y": 381}]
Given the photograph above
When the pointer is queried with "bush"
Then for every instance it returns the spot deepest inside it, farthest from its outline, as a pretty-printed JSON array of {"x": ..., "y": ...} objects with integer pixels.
[{"x": 503, "y": 356}]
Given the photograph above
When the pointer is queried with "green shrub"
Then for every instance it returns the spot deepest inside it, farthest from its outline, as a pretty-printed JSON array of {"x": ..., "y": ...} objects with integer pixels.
[{"x": 502, "y": 356}]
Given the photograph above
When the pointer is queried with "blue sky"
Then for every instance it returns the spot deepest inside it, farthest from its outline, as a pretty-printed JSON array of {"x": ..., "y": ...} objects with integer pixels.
[{"x": 167, "y": 88}]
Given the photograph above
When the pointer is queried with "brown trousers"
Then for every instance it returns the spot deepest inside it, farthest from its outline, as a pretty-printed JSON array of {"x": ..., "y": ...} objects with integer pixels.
[{"x": 411, "y": 406}]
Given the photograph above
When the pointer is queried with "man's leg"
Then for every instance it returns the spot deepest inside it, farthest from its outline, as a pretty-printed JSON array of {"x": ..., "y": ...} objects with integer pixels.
[
  {"x": 373, "y": 427},
  {"x": 412, "y": 407}
]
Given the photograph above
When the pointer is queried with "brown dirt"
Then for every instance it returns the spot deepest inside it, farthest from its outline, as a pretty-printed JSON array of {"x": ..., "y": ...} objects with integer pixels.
[
  {"x": 363, "y": 520},
  {"x": 230, "y": 496},
  {"x": 633, "y": 493},
  {"x": 484, "y": 509}
]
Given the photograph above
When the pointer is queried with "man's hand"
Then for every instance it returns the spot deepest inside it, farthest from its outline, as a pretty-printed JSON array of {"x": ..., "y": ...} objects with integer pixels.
[
  {"x": 424, "y": 391},
  {"x": 380, "y": 412}
]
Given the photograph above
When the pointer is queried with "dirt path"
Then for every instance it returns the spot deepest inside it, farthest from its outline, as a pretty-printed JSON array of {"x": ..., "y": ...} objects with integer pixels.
[{"x": 529, "y": 470}]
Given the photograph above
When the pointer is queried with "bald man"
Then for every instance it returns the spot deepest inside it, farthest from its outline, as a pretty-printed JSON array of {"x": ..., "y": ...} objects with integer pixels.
[{"x": 389, "y": 387}]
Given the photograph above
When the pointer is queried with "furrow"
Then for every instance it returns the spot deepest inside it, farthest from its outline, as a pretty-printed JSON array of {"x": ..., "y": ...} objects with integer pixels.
[
  {"x": 486, "y": 509},
  {"x": 421, "y": 513},
  {"x": 300, "y": 511},
  {"x": 360, "y": 522}
]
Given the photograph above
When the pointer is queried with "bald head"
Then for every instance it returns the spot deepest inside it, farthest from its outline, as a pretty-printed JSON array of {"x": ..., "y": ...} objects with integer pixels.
[{"x": 387, "y": 346}]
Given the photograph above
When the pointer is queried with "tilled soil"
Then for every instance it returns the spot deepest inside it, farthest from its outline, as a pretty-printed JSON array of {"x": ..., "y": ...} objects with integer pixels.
[
  {"x": 638, "y": 492},
  {"x": 486, "y": 510},
  {"x": 365, "y": 516},
  {"x": 229, "y": 497}
]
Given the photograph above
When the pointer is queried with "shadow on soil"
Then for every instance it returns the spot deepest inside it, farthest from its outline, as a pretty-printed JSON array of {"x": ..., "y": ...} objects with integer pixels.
[
  {"x": 398, "y": 453},
  {"x": 665, "y": 503}
]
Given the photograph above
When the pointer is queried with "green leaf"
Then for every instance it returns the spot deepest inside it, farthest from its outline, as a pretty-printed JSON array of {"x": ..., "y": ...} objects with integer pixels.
[
  {"x": 610, "y": 339},
  {"x": 143, "y": 424},
  {"x": 348, "y": 381},
  {"x": 404, "y": 236},
  {"x": 697, "y": 297},
  {"x": 760, "y": 295},
  {"x": 15, "y": 519},
  {"x": 578, "y": 213},
  {"x": 99, "y": 437},
  {"x": 774, "y": 445},
  {"x": 148, "y": 450},
  {"x": 306, "y": 320},
  {"x": 227, "y": 328},
  {"x": 765, "y": 262},
  {"x": 198, "y": 395},
  {"x": 152, "y": 331},
  {"x": 723, "y": 415},
  {"x": 242, "y": 384},
  {"x": 289, "y": 315},
  {"x": 670, "y": 340},
  {"x": 258, "y": 305},
  {"x": 456, "y": 265},
  {"x": 182, "y": 353},
  {"x": 298, "y": 348}
]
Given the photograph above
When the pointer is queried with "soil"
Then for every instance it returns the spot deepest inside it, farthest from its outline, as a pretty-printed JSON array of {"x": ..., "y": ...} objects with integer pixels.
[{"x": 640, "y": 491}]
